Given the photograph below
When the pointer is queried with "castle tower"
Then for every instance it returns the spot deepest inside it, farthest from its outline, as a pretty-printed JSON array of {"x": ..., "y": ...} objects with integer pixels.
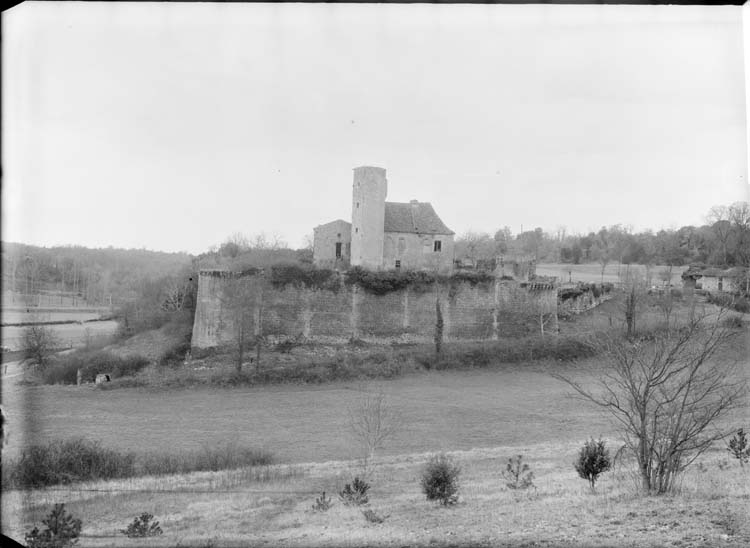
[{"x": 368, "y": 216}]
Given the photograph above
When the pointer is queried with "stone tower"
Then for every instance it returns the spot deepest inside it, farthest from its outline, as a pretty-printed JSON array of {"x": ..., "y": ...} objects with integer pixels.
[{"x": 368, "y": 216}]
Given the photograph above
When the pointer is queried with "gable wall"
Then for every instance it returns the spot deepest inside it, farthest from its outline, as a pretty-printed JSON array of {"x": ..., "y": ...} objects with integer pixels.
[{"x": 415, "y": 251}]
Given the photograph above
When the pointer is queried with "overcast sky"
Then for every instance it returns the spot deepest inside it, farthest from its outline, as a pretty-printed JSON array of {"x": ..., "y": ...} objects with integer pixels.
[{"x": 171, "y": 126}]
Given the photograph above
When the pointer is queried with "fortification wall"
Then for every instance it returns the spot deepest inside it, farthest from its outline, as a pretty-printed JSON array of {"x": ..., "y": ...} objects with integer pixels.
[{"x": 503, "y": 308}]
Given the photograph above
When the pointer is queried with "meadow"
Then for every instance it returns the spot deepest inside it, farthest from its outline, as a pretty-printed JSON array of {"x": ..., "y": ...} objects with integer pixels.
[
  {"x": 481, "y": 416},
  {"x": 613, "y": 273},
  {"x": 68, "y": 334}
]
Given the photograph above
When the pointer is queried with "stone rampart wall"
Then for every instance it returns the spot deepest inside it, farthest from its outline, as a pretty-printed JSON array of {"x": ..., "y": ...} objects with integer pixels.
[{"x": 503, "y": 308}]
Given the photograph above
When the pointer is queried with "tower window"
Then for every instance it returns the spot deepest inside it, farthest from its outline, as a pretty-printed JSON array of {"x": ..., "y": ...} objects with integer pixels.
[
  {"x": 338, "y": 235},
  {"x": 357, "y": 204},
  {"x": 398, "y": 264},
  {"x": 356, "y": 230},
  {"x": 437, "y": 246}
]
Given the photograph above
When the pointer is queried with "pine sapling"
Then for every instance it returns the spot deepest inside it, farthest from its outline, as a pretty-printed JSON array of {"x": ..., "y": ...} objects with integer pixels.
[
  {"x": 739, "y": 447},
  {"x": 593, "y": 460}
]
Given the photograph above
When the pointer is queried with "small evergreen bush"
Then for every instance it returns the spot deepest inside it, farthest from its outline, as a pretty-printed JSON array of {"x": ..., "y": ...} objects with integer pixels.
[
  {"x": 322, "y": 504},
  {"x": 518, "y": 474},
  {"x": 142, "y": 527},
  {"x": 355, "y": 493},
  {"x": 593, "y": 460},
  {"x": 739, "y": 448},
  {"x": 440, "y": 480},
  {"x": 61, "y": 530}
]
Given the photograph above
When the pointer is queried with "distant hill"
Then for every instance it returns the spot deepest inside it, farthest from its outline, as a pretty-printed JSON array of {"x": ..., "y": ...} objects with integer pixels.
[{"x": 92, "y": 274}]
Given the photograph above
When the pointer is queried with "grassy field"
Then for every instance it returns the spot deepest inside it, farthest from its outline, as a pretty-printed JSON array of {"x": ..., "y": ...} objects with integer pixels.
[
  {"x": 25, "y": 315},
  {"x": 69, "y": 335},
  {"x": 481, "y": 416},
  {"x": 441, "y": 410},
  {"x": 272, "y": 506},
  {"x": 593, "y": 272}
]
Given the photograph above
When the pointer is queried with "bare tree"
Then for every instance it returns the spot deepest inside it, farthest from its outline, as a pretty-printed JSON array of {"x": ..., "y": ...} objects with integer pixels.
[
  {"x": 309, "y": 241},
  {"x": 718, "y": 217},
  {"x": 38, "y": 343},
  {"x": 603, "y": 251},
  {"x": 176, "y": 292},
  {"x": 373, "y": 422},
  {"x": 739, "y": 216},
  {"x": 475, "y": 246},
  {"x": 635, "y": 289},
  {"x": 666, "y": 395}
]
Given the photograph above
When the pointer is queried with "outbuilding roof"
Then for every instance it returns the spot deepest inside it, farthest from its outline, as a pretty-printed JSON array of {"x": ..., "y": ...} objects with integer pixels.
[
  {"x": 413, "y": 217},
  {"x": 714, "y": 272}
]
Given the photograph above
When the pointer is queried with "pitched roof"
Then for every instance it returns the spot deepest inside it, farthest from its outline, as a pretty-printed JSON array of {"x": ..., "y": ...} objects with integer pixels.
[
  {"x": 695, "y": 271},
  {"x": 336, "y": 222},
  {"x": 415, "y": 217}
]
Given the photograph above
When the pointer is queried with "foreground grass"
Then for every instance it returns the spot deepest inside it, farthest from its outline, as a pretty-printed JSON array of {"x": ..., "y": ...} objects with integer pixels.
[{"x": 238, "y": 509}]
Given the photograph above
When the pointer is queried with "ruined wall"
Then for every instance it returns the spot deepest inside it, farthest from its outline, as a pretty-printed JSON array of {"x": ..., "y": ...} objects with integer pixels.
[
  {"x": 470, "y": 312},
  {"x": 583, "y": 302},
  {"x": 417, "y": 251}
]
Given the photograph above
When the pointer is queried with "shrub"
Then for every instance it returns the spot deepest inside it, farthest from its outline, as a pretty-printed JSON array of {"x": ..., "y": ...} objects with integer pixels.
[
  {"x": 287, "y": 345},
  {"x": 518, "y": 474},
  {"x": 297, "y": 276},
  {"x": 440, "y": 480},
  {"x": 142, "y": 527},
  {"x": 355, "y": 493},
  {"x": 739, "y": 448},
  {"x": 175, "y": 355},
  {"x": 61, "y": 462},
  {"x": 322, "y": 504},
  {"x": 66, "y": 462},
  {"x": 91, "y": 362},
  {"x": 38, "y": 342},
  {"x": 508, "y": 351},
  {"x": 372, "y": 517},
  {"x": 211, "y": 458},
  {"x": 384, "y": 282},
  {"x": 593, "y": 460},
  {"x": 733, "y": 322},
  {"x": 725, "y": 300},
  {"x": 61, "y": 530}
]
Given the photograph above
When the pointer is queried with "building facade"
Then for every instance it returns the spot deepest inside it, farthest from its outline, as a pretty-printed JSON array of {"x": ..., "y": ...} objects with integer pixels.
[{"x": 384, "y": 235}]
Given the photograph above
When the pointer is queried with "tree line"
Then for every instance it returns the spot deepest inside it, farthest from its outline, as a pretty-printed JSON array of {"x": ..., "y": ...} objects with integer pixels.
[
  {"x": 723, "y": 241},
  {"x": 91, "y": 275}
]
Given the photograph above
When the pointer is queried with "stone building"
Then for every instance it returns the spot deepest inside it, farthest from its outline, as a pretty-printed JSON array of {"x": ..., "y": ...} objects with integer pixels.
[
  {"x": 714, "y": 279},
  {"x": 384, "y": 235}
]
